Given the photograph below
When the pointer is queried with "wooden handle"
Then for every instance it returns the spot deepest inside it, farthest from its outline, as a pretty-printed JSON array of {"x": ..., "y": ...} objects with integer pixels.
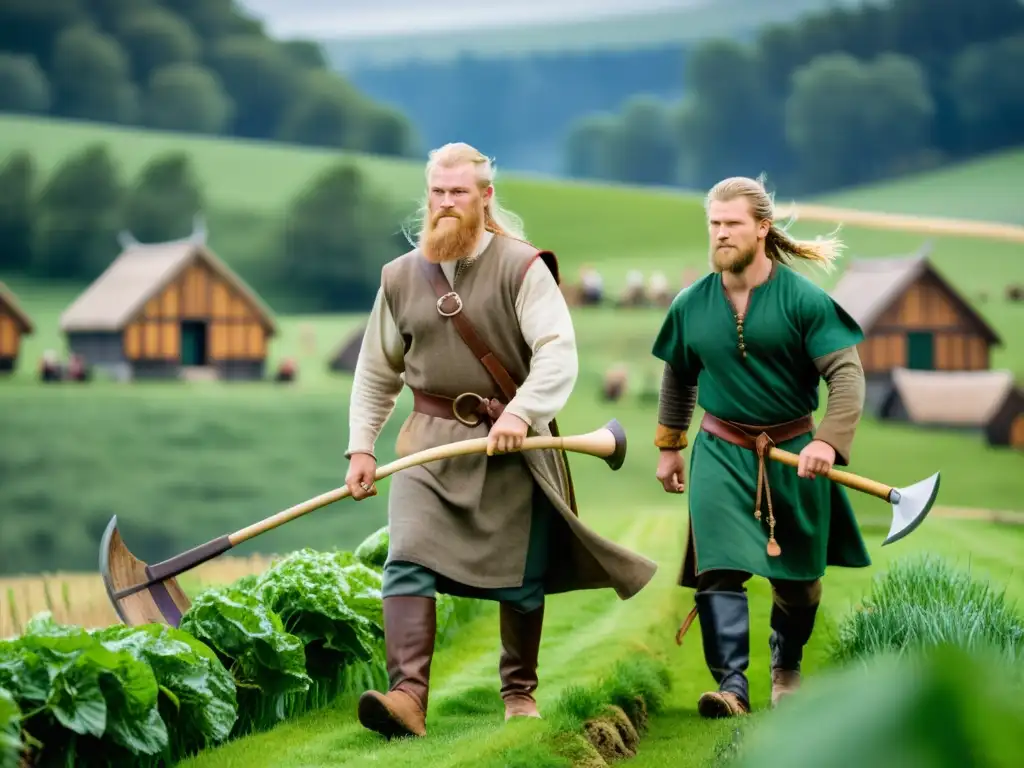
[
  {"x": 850, "y": 480},
  {"x": 603, "y": 442}
]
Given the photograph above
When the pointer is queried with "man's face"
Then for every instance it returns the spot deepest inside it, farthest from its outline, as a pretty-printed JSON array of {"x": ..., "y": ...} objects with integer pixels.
[
  {"x": 733, "y": 235},
  {"x": 456, "y": 212}
]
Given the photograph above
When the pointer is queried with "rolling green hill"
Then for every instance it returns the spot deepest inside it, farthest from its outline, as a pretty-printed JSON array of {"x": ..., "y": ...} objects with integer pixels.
[{"x": 987, "y": 189}]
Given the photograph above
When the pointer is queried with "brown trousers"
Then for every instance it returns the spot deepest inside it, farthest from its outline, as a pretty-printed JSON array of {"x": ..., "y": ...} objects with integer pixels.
[{"x": 786, "y": 593}]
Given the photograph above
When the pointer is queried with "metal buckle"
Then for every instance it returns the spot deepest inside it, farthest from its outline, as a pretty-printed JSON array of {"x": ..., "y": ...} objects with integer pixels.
[
  {"x": 459, "y": 417},
  {"x": 458, "y": 304}
]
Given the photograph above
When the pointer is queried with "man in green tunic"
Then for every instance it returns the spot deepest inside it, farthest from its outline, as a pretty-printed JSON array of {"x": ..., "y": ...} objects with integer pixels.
[{"x": 750, "y": 343}]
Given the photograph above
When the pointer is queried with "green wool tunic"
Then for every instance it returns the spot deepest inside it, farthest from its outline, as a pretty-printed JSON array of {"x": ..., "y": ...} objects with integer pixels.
[{"x": 788, "y": 323}]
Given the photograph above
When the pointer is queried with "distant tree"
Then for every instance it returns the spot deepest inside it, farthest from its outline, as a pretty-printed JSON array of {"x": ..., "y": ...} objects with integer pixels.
[
  {"x": 91, "y": 77},
  {"x": 591, "y": 147},
  {"x": 78, "y": 217},
  {"x": 988, "y": 88},
  {"x": 17, "y": 190},
  {"x": 187, "y": 97},
  {"x": 338, "y": 234},
  {"x": 262, "y": 82},
  {"x": 32, "y": 26},
  {"x": 24, "y": 87},
  {"x": 851, "y": 122},
  {"x": 110, "y": 14},
  {"x": 164, "y": 200},
  {"x": 305, "y": 54},
  {"x": 213, "y": 20},
  {"x": 155, "y": 38},
  {"x": 327, "y": 112},
  {"x": 647, "y": 149},
  {"x": 386, "y": 131}
]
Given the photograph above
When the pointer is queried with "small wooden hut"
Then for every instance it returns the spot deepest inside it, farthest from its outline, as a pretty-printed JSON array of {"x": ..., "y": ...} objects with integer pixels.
[
  {"x": 912, "y": 318},
  {"x": 345, "y": 357},
  {"x": 170, "y": 310},
  {"x": 14, "y": 323},
  {"x": 987, "y": 401}
]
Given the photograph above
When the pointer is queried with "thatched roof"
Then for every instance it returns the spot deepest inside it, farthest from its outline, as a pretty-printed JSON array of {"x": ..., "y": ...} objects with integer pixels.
[
  {"x": 869, "y": 287},
  {"x": 9, "y": 300},
  {"x": 965, "y": 398},
  {"x": 141, "y": 272}
]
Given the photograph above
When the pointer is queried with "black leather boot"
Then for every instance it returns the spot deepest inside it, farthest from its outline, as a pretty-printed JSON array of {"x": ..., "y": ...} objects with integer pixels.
[
  {"x": 725, "y": 631},
  {"x": 791, "y": 629}
]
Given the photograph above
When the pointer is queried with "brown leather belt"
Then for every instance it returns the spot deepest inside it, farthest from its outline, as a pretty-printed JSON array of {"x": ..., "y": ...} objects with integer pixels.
[
  {"x": 759, "y": 439},
  {"x": 469, "y": 408}
]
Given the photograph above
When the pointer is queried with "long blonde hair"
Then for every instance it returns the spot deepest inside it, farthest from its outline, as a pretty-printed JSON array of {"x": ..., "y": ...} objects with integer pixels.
[
  {"x": 778, "y": 245},
  {"x": 497, "y": 219}
]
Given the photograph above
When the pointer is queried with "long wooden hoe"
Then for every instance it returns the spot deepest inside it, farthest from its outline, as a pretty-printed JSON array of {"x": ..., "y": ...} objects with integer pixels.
[{"x": 144, "y": 594}]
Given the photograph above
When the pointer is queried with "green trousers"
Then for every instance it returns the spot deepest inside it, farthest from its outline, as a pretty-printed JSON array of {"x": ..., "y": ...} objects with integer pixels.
[{"x": 411, "y": 579}]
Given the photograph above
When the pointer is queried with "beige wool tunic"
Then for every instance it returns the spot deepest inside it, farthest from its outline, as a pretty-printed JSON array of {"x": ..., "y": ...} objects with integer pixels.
[{"x": 468, "y": 517}]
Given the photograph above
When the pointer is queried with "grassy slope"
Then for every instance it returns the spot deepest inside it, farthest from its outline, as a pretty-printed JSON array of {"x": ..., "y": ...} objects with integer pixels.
[
  {"x": 987, "y": 189},
  {"x": 276, "y": 463}
]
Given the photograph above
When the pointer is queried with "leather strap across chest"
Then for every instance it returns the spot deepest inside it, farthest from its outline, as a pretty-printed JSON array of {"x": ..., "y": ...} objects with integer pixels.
[{"x": 449, "y": 307}]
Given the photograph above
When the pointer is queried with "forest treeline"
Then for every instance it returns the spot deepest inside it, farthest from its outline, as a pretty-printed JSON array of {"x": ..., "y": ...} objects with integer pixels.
[
  {"x": 838, "y": 98},
  {"x": 200, "y": 66}
]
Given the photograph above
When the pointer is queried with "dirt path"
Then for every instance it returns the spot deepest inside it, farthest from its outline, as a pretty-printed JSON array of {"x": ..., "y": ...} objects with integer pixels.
[
  {"x": 1005, "y": 516},
  {"x": 925, "y": 224}
]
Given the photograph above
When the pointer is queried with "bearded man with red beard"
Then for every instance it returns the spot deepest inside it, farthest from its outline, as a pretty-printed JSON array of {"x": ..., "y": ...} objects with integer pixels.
[{"x": 473, "y": 320}]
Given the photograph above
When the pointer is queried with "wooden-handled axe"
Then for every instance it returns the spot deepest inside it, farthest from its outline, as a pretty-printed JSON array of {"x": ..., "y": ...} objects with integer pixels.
[{"x": 910, "y": 505}]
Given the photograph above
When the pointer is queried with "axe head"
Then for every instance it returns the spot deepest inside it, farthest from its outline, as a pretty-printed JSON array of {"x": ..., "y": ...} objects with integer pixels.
[{"x": 910, "y": 506}]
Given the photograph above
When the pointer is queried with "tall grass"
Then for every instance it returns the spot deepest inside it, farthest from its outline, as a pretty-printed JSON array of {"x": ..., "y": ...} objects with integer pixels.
[{"x": 925, "y": 602}]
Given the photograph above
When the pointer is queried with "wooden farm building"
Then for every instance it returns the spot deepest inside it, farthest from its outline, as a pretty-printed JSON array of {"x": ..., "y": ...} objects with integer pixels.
[
  {"x": 986, "y": 401},
  {"x": 170, "y": 310},
  {"x": 912, "y": 318},
  {"x": 14, "y": 324},
  {"x": 345, "y": 357}
]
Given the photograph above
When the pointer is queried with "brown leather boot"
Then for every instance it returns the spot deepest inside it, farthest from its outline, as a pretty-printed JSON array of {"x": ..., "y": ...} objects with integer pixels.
[
  {"x": 520, "y": 645},
  {"x": 410, "y": 625}
]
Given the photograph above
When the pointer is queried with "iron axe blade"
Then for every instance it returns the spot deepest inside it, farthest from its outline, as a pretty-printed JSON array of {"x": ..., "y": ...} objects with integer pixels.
[{"x": 910, "y": 505}]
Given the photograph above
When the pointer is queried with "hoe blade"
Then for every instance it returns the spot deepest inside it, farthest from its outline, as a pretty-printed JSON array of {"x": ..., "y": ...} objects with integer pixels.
[{"x": 163, "y": 602}]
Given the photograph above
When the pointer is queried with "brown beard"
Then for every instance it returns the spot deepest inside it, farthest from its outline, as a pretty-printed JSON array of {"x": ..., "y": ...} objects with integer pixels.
[
  {"x": 450, "y": 243},
  {"x": 731, "y": 259}
]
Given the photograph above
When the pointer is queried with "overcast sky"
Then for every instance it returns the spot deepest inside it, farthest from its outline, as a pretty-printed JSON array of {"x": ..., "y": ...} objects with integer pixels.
[{"x": 351, "y": 18}]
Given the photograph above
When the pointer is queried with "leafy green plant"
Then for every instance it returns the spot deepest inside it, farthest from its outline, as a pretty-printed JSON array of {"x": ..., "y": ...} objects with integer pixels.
[
  {"x": 924, "y": 602},
  {"x": 317, "y": 596},
  {"x": 267, "y": 663},
  {"x": 373, "y": 551},
  {"x": 10, "y": 730},
  {"x": 198, "y": 695},
  {"x": 80, "y": 698}
]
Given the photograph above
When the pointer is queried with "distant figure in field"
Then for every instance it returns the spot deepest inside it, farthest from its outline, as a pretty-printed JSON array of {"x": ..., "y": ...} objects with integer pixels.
[
  {"x": 77, "y": 369},
  {"x": 593, "y": 286},
  {"x": 50, "y": 367},
  {"x": 634, "y": 295},
  {"x": 286, "y": 371},
  {"x": 307, "y": 339},
  {"x": 615, "y": 381},
  {"x": 657, "y": 289}
]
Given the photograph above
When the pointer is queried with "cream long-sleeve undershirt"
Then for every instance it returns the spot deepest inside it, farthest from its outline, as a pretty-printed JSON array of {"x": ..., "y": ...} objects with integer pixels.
[{"x": 546, "y": 325}]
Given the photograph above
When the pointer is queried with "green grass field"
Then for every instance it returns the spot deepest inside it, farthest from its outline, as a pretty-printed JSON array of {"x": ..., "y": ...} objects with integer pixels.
[
  {"x": 986, "y": 189},
  {"x": 180, "y": 464}
]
